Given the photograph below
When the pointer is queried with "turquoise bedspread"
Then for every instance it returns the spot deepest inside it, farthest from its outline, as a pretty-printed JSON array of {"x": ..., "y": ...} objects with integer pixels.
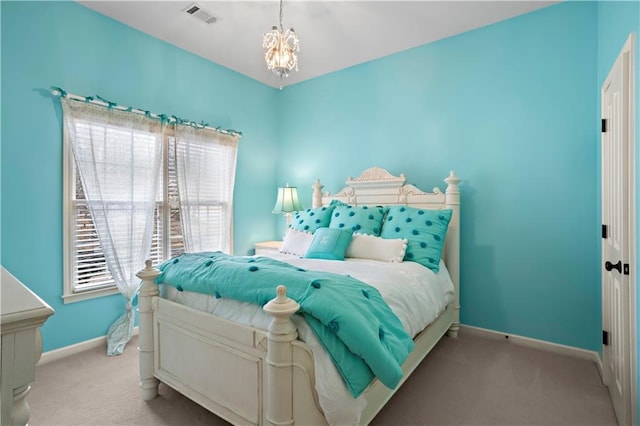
[{"x": 360, "y": 332}]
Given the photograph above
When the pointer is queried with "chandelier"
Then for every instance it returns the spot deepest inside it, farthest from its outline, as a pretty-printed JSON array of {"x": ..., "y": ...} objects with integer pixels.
[{"x": 281, "y": 47}]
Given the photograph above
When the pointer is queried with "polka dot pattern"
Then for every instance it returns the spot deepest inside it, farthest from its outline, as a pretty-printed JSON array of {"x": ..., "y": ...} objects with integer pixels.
[
  {"x": 424, "y": 229},
  {"x": 311, "y": 219},
  {"x": 361, "y": 219}
]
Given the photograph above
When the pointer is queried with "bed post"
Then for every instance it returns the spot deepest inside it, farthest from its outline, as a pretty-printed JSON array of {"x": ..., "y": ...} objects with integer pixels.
[
  {"x": 148, "y": 290},
  {"x": 317, "y": 194},
  {"x": 281, "y": 333},
  {"x": 453, "y": 245}
]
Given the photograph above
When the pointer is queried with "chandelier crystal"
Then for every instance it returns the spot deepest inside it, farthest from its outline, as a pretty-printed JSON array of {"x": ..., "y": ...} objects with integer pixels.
[{"x": 281, "y": 47}]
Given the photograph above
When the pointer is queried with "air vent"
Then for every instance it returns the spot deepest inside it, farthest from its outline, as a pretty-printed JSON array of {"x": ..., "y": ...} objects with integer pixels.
[{"x": 201, "y": 14}]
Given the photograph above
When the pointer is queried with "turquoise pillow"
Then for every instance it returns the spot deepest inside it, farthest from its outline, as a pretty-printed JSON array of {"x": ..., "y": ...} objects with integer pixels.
[
  {"x": 361, "y": 219},
  {"x": 329, "y": 243},
  {"x": 335, "y": 203},
  {"x": 311, "y": 219},
  {"x": 424, "y": 229}
]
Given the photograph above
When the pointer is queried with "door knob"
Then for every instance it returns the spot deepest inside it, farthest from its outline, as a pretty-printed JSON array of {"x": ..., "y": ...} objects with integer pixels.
[{"x": 609, "y": 266}]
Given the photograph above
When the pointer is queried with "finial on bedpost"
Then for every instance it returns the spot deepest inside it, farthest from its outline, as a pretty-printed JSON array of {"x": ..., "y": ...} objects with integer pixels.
[
  {"x": 281, "y": 291},
  {"x": 281, "y": 307},
  {"x": 282, "y": 331},
  {"x": 453, "y": 191},
  {"x": 149, "y": 273},
  {"x": 317, "y": 194}
]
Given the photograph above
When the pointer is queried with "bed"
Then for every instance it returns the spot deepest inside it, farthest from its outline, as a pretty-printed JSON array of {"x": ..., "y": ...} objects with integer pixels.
[{"x": 257, "y": 372}]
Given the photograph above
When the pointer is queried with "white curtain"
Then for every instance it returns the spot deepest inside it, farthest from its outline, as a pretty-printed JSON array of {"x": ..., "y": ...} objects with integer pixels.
[
  {"x": 118, "y": 156},
  {"x": 206, "y": 168}
]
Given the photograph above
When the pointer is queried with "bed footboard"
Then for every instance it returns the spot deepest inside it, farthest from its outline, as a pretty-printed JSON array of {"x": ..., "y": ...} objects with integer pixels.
[{"x": 243, "y": 374}]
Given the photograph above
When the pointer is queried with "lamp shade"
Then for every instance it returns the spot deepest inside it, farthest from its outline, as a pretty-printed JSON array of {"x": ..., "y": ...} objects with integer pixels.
[{"x": 287, "y": 201}]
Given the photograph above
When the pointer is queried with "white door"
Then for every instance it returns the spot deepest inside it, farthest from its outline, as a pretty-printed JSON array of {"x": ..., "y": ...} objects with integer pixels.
[{"x": 616, "y": 217}]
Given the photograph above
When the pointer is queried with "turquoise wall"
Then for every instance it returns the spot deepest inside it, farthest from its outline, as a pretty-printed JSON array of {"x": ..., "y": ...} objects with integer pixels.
[
  {"x": 616, "y": 20},
  {"x": 510, "y": 108},
  {"x": 67, "y": 45}
]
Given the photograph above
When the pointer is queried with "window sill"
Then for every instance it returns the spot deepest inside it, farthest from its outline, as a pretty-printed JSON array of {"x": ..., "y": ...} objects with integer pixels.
[{"x": 90, "y": 294}]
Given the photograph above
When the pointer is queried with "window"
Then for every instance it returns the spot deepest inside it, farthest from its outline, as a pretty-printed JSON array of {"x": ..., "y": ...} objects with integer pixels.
[{"x": 86, "y": 272}]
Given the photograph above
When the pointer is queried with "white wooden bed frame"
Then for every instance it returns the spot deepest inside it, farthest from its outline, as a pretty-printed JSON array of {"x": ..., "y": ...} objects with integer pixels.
[{"x": 250, "y": 376}]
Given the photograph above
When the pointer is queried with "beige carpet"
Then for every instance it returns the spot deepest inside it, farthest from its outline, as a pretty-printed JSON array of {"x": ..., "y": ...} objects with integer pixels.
[{"x": 464, "y": 381}]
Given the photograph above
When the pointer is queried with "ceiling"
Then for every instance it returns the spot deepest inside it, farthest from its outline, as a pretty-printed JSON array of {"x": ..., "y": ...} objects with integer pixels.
[{"x": 333, "y": 34}]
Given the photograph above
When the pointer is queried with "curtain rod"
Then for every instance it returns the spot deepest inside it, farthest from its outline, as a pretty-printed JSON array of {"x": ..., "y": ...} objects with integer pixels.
[{"x": 171, "y": 119}]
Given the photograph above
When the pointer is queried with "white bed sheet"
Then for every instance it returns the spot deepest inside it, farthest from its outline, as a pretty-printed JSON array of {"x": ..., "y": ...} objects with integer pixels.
[{"x": 414, "y": 293}]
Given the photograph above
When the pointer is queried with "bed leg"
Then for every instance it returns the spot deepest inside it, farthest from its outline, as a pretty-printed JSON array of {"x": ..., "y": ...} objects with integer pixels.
[
  {"x": 148, "y": 290},
  {"x": 453, "y": 330},
  {"x": 282, "y": 331},
  {"x": 455, "y": 327}
]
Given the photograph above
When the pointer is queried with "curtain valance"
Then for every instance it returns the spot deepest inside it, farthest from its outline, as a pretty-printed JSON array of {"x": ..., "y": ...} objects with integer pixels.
[{"x": 165, "y": 118}]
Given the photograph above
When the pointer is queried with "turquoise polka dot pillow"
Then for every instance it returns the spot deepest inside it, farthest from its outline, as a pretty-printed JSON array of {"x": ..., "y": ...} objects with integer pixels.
[
  {"x": 424, "y": 229},
  {"x": 311, "y": 219},
  {"x": 361, "y": 219}
]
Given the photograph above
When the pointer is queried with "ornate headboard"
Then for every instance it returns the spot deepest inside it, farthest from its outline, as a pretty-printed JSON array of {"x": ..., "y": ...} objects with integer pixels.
[{"x": 376, "y": 186}]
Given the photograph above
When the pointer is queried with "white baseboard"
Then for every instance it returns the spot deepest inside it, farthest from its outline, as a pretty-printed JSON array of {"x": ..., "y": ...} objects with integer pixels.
[
  {"x": 593, "y": 356},
  {"x": 536, "y": 344},
  {"x": 66, "y": 351}
]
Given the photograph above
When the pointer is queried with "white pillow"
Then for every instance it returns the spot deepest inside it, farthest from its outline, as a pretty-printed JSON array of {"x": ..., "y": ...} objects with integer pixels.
[
  {"x": 296, "y": 242},
  {"x": 365, "y": 246}
]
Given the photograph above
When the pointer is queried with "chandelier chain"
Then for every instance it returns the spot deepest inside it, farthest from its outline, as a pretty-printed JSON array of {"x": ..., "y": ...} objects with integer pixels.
[{"x": 281, "y": 16}]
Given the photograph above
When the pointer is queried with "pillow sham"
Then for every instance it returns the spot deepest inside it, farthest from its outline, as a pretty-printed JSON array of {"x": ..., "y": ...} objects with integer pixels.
[
  {"x": 311, "y": 219},
  {"x": 365, "y": 246},
  {"x": 424, "y": 229},
  {"x": 361, "y": 219},
  {"x": 296, "y": 242},
  {"x": 329, "y": 243}
]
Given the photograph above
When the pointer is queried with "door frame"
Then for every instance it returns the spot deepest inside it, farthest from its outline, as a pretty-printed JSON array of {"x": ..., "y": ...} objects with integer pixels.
[{"x": 628, "y": 50}]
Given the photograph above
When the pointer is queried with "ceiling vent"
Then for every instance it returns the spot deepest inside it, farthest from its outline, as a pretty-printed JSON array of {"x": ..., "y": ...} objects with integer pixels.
[{"x": 201, "y": 14}]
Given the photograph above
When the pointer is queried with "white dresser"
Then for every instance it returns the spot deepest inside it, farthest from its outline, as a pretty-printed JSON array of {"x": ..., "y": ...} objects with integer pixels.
[{"x": 22, "y": 312}]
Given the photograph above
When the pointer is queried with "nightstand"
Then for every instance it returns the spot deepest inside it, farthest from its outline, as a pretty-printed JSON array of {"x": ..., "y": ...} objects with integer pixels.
[{"x": 266, "y": 247}]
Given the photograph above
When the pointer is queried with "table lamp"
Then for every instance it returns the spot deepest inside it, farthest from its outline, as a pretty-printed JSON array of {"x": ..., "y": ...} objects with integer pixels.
[{"x": 287, "y": 202}]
